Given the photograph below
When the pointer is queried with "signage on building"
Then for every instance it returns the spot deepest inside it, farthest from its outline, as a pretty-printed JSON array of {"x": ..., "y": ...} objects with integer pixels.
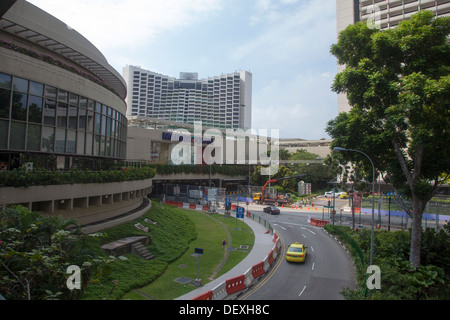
[{"x": 199, "y": 140}]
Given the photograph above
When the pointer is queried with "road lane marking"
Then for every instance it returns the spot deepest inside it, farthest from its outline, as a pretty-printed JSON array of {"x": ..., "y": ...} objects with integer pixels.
[
  {"x": 308, "y": 230},
  {"x": 302, "y": 291},
  {"x": 275, "y": 224},
  {"x": 312, "y": 267},
  {"x": 303, "y": 236}
]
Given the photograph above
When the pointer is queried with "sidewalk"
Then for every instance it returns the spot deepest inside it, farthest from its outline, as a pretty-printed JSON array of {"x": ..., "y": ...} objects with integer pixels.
[{"x": 262, "y": 246}]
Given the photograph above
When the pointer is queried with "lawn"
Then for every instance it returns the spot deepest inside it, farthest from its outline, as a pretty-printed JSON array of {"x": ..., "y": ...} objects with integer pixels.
[
  {"x": 211, "y": 231},
  {"x": 174, "y": 237}
]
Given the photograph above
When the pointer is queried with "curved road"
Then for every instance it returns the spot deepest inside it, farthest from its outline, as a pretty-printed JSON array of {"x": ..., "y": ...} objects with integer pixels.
[{"x": 326, "y": 271}]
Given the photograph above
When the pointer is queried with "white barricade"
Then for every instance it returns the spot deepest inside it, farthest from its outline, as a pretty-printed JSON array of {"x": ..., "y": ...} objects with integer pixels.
[
  {"x": 220, "y": 291},
  {"x": 248, "y": 277},
  {"x": 266, "y": 263}
]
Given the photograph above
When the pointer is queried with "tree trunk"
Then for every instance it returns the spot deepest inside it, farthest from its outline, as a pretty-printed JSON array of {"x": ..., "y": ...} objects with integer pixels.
[{"x": 416, "y": 231}]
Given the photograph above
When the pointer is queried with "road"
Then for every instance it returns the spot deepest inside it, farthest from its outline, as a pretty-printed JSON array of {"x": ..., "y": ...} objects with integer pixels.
[{"x": 326, "y": 270}]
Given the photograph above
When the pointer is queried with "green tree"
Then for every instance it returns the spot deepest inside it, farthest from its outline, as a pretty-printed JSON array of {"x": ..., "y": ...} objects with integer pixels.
[
  {"x": 35, "y": 252},
  {"x": 398, "y": 84},
  {"x": 304, "y": 162}
]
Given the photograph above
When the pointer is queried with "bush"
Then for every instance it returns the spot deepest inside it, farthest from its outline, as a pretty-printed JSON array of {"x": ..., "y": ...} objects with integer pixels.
[
  {"x": 21, "y": 178},
  {"x": 35, "y": 252},
  {"x": 399, "y": 279}
]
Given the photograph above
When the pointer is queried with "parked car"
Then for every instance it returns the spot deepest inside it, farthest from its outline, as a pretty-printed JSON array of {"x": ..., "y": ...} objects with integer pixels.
[
  {"x": 329, "y": 194},
  {"x": 342, "y": 195},
  {"x": 272, "y": 210}
]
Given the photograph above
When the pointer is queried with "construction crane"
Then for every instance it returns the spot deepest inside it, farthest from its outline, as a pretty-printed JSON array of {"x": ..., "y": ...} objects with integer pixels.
[{"x": 261, "y": 197}]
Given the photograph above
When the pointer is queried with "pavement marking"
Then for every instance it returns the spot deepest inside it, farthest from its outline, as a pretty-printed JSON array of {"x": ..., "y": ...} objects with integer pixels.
[
  {"x": 275, "y": 224},
  {"x": 308, "y": 230},
  {"x": 312, "y": 267},
  {"x": 302, "y": 291},
  {"x": 303, "y": 236}
]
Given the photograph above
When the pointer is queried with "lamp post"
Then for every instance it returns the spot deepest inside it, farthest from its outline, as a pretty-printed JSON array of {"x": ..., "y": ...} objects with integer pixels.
[{"x": 339, "y": 149}]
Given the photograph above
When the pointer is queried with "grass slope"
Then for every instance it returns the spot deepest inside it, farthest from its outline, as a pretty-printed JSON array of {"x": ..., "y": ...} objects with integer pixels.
[{"x": 173, "y": 240}]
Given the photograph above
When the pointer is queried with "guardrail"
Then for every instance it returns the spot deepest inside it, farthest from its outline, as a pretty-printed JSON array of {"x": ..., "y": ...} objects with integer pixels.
[
  {"x": 244, "y": 281},
  {"x": 241, "y": 282}
]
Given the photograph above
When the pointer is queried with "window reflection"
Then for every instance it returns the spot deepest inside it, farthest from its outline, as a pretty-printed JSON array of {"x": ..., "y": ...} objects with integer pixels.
[
  {"x": 3, "y": 133},
  {"x": 61, "y": 115},
  {"x": 50, "y": 92},
  {"x": 48, "y": 137},
  {"x": 34, "y": 137},
  {"x": 73, "y": 117},
  {"x": 19, "y": 107},
  {"x": 20, "y": 84},
  {"x": 38, "y": 117},
  {"x": 71, "y": 141},
  {"x": 60, "y": 140},
  {"x": 49, "y": 112},
  {"x": 17, "y": 136},
  {"x": 36, "y": 88},
  {"x": 5, "y": 101},
  {"x": 35, "y": 109}
]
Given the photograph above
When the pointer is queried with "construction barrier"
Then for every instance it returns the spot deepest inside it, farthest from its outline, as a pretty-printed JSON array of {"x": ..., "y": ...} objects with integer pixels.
[
  {"x": 258, "y": 270},
  {"x": 270, "y": 257},
  {"x": 318, "y": 223},
  {"x": 239, "y": 283},
  {"x": 220, "y": 291},
  {"x": 248, "y": 277},
  {"x": 235, "y": 284},
  {"x": 185, "y": 205},
  {"x": 174, "y": 203},
  {"x": 275, "y": 238},
  {"x": 205, "y": 296}
]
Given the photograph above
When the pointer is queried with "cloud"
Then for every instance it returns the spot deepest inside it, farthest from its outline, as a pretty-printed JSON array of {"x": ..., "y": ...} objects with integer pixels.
[
  {"x": 288, "y": 33},
  {"x": 111, "y": 24},
  {"x": 299, "y": 107}
]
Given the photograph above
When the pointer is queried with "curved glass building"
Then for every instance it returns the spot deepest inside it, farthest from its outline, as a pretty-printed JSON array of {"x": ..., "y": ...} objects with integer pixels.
[{"x": 61, "y": 104}]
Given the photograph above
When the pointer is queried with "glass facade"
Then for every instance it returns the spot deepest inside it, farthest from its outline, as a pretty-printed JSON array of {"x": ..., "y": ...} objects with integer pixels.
[{"x": 40, "y": 118}]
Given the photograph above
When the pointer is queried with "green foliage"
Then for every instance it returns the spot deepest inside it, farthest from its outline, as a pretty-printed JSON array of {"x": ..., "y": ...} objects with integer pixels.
[
  {"x": 230, "y": 170},
  {"x": 21, "y": 178},
  {"x": 35, "y": 252},
  {"x": 315, "y": 173},
  {"x": 398, "y": 84},
  {"x": 170, "y": 238},
  {"x": 400, "y": 280}
]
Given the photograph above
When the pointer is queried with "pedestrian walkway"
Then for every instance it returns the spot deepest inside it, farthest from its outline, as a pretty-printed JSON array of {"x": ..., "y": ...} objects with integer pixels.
[{"x": 262, "y": 246}]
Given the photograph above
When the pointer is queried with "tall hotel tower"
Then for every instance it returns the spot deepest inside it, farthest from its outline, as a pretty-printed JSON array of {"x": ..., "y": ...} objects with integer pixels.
[
  {"x": 386, "y": 14},
  {"x": 223, "y": 102}
]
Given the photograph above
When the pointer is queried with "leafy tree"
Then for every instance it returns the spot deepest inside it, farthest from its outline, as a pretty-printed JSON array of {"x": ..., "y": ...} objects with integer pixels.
[
  {"x": 35, "y": 252},
  {"x": 398, "y": 84},
  {"x": 318, "y": 174}
]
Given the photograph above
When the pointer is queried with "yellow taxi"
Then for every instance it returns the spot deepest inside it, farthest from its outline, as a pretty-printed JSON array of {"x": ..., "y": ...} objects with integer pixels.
[
  {"x": 343, "y": 195},
  {"x": 296, "y": 252}
]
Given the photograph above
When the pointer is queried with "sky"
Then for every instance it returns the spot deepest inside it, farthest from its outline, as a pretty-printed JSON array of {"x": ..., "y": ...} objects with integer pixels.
[{"x": 285, "y": 44}]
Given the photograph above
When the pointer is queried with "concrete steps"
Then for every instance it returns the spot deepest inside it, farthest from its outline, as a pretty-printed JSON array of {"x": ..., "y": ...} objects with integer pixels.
[{"x": 140, "y": 250}]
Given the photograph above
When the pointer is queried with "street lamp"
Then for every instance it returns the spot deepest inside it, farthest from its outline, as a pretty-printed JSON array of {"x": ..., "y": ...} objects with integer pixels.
[{"x": 339, "y": 149}]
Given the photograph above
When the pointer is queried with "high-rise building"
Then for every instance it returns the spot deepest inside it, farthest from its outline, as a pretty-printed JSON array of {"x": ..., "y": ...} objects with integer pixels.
[
  {"x": 384, "y": 14},
  {"x": 223, "y": 102}
]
